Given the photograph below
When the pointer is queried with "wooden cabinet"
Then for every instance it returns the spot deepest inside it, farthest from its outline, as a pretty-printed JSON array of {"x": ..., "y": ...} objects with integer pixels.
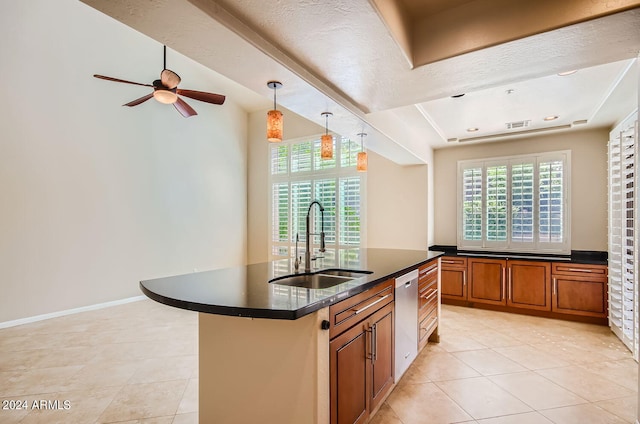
[
  {"x": 361, "y": 353},
  {"x": 487, "y": 280},
  {"x": 453, "y": 277},
  {"x": 428, "y": 302},
  {"x": 529, "y": 285},
  {"x": 580, "y": 289}
]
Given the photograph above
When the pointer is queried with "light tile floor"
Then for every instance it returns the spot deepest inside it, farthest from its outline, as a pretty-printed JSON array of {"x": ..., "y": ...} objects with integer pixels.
[{"x": 138, "y": 363}]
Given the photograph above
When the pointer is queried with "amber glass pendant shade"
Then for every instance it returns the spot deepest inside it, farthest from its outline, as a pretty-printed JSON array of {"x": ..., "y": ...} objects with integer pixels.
[
  {"x": 361, "y": 164},
  {"x": 274, "y": 126},
  {"x": 326, "y": 146},
  {"x": 274, "y": 117}
]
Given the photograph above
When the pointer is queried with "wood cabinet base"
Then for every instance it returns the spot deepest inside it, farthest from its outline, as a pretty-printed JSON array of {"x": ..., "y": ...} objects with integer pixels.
[{"x": 545, "y": 314}]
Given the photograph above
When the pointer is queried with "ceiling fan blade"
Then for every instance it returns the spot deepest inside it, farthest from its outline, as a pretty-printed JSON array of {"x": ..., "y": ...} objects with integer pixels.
[
  {"x": 120, "y": 80},
  {"x": 216, "y": 99},
  {"x": 184, "y": 109},
  {"x": 169, "y": 78},
  {"x": 136, "y": 102}
]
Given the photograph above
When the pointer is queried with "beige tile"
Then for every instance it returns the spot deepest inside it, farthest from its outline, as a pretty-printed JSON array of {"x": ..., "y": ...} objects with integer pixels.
[
  {"x": 623, "y": 372},
  {"x": 530, "y": 357},
  {"x": 189, "y": 401},
  {"x": 154, "y": 420},
  {"x": 482, "y": 398},
  {"x": 585, "y": 384},
  {"x": 581, "y": 414},
  {"x": 526, "y": 418},
  {"x": 165, "y": 369},
  {"x": 457, "y": 343},
  {"x": 137, "y": 401},
  {"x": 536, "y": 391},
  {"x": 488, "y": 362},
  {"x": 37, "y": 381},
  {"x": 441, "y": 366},
  {"x": 191, "y": 418},
  {"x": 408, "y": 403},
  {"x": 385, "y": 415},
  {"x": 625, "y": 408},
  {"x": 493, "y": 339}
]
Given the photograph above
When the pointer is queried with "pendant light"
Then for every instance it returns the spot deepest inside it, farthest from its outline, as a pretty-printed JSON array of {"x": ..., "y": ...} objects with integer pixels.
[
  {"x": 361, "y": 164},
  {"x": 274, "y": 117},
  {"x": 326, "y": 147}
]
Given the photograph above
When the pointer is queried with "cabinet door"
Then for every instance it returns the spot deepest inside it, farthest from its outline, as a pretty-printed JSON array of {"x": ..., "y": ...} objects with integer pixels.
[
  {"x": 579, "y": 295},
  {"x": 529, "y": 285},
  {"x": 348, "y": 379},
  {"x": 487, "y": 280},
  {"x": 381, "y": 354},
  {"x": 453, "y": 283}
]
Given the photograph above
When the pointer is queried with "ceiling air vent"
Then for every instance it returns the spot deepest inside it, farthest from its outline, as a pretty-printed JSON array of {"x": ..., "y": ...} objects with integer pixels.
[{"x": 518, "y": 124}]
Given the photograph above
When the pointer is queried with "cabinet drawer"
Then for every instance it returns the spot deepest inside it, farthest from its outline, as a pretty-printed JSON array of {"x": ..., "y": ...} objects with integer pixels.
[
  {"x": 427, "y": 297},
  {"x": 583, "y": 270},
  {"x": 426, "y": 327},
  {"x": 453, "y": 261},
  {"x": 428, "y": 272},
  {"x": 344, "y": 314}
]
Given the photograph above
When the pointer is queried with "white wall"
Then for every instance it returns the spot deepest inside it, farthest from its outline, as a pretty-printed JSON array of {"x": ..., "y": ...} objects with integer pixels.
[
  {"x": 588, "y": 182},
  {"x": 96, "y": 196},
  {"x": 397, "y": 210}
]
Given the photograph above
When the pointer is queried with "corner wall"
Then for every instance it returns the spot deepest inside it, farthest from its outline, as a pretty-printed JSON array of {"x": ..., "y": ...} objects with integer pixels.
[
  {"x": 96, "y": 196},
  {"x": 588, "y": 182}
]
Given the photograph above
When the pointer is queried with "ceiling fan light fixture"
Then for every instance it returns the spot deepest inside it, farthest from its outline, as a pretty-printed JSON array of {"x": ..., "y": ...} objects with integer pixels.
[
  {"x": 361, "y": 161},
  {"x": 274, "y": 117},
  {"x": 165, "y": 96},
  {"x": 326, "y": 141}
]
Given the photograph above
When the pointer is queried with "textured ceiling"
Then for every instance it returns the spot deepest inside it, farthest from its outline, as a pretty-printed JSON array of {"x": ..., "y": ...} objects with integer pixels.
[{"x": 341, "y": 56}]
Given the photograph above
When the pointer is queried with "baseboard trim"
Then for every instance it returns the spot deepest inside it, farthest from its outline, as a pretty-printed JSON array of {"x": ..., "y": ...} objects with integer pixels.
[{"x": 36, "y": 318}]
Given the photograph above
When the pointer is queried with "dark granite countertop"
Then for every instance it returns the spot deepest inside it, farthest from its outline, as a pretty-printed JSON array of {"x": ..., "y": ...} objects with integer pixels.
[
  {"x": 245, "y": 291},
  {"x": 577, "y": 256}
]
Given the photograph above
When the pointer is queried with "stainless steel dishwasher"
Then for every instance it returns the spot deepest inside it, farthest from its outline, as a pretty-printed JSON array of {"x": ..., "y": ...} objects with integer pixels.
[{"x": 406, "y": 322}]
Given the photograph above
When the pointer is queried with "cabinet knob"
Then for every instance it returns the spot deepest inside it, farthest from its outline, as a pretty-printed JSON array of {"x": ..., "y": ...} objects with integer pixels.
[{"x": 325, "y": 324}]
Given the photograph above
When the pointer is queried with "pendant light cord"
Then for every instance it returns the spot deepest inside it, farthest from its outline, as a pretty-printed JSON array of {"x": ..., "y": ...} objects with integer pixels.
[{"x": 165, "y": 57}]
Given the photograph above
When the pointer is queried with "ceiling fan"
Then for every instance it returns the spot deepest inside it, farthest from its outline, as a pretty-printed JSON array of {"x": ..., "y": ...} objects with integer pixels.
[{"x": 165, "y": 90}]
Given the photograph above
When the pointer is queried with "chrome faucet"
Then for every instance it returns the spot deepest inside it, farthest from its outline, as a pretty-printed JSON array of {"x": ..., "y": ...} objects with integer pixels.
[{"x": 307, "y": 253}]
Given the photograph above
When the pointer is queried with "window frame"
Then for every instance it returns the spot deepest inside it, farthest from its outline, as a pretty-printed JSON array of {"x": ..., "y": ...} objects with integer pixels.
[
  {"x": 338, "y": 173},
  {"x": 510, "y": 244}
]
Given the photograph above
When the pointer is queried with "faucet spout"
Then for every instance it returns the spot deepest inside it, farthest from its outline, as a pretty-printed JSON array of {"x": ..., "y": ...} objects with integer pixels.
[{"x": 307, "y": 253}]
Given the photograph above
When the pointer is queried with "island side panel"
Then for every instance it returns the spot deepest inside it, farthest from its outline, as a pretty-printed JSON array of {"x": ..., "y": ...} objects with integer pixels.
[{"x": 262, "y": 370}]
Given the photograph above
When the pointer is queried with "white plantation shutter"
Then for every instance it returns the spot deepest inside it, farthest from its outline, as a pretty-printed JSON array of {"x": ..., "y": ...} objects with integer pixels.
[
  {"x": 299, "y": 176},
  {"x": 623, "y": 233},
  {"x": 517, "y": 203},
  {"x": 350, "y": 211}
]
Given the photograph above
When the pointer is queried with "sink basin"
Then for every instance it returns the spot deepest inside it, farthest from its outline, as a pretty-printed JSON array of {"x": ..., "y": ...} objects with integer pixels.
[
  {"x": 321, "y": 279},
  {"x": 352, "y": 273}
]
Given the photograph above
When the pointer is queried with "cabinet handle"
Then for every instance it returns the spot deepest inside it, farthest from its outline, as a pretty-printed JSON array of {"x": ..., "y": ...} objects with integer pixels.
[
  {"x": 504, "y": 279},
  {"x": 369, "y": 354},
  {"x": 428, "y": 271},
  {"x": 510, "y": 286},
  {"x": 579, "y": 270},
  {"x": 357, "y": 311},
  {"x": 448, "y": 262},
  {"x": 555, "y": 285},
  {"x": 375, "y": 343},
  {"x": 432, "y": 293},
  {"x": 464, "y": 277}
]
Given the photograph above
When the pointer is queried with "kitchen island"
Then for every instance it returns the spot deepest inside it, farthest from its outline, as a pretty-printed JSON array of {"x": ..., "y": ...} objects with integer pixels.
[{"x": 263, "y": 346}]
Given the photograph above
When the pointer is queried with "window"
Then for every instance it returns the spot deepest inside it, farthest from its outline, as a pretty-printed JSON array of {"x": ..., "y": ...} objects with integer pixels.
[
  {"x": 299, "y": 176},
  {"x": 518, "y": 203}
]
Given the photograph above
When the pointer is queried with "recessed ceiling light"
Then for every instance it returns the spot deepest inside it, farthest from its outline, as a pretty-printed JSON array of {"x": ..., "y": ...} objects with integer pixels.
[
  {"x": 472, "y": 129},
  {"x": 565, "y": 73},
  {"x": 510, "y": 91},
  {"x": 550, "y": 117}
]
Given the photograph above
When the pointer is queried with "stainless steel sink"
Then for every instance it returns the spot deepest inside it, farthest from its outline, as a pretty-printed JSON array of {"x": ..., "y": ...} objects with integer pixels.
[{"x": 321, "y": 279}]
